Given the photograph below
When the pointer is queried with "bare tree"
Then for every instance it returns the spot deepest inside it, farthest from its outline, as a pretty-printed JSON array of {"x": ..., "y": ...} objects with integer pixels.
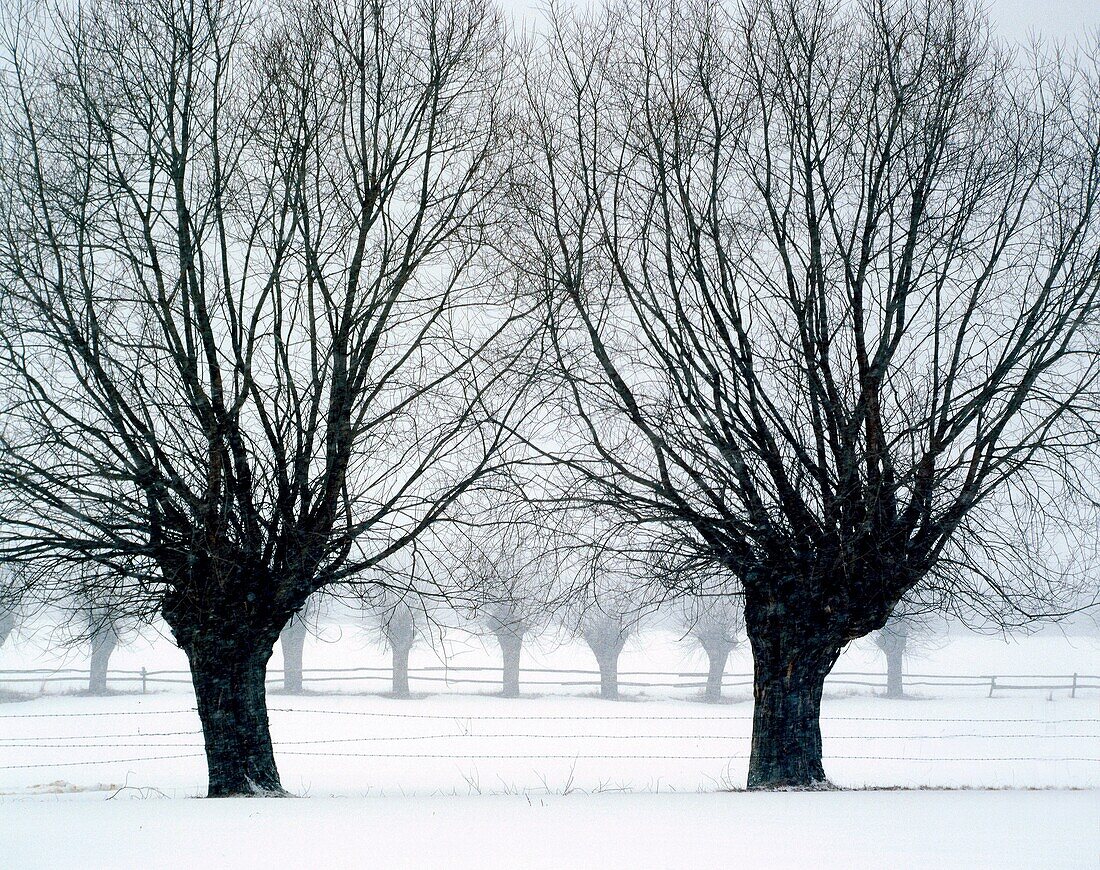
[
  {"x": 10, "y": 591},
  {"x": 245, "y": 314},
  {"x": 823, "y": 284},
  {"x": 512, "y": 577},
  {"x": 403, "y": 617},
  {"x": 292, "y": 641},
  {"x": 893, "y": 639},
  {"x": 716, "y": 623},
  {"x": 613, "y": 610},
  {"x": 104, "y": 640},
  {"x": 7, "y": 618}
]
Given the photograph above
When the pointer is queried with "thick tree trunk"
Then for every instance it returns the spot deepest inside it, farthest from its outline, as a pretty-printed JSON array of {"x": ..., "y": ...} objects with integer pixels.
[
  {"x": 293, "y": 641},
  {"x": 511, "y": 648},
  {"x": 791, "y": 658},
  {"x": 401, "y": 669},
  {"x": 229, "y": 688},
  {"x": 717, "y": 655},
  {"x": 104, "y": 641}
]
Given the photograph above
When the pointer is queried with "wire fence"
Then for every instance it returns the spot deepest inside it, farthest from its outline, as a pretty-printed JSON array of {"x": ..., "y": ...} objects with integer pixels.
[
  {"x": 339, "y": 680},
  {"x": 1073, "y": 738}
]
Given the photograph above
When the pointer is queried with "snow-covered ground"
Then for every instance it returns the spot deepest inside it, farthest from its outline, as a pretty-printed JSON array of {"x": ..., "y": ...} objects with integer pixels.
[
  {"x": 966, "y": 830},
  {"x": 458, "y": 777},
  {"x": 366, "y": 745}
]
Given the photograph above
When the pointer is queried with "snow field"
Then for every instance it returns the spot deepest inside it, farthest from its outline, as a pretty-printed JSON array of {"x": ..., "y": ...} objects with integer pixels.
[
  {"x": 965, "y": 830},
  {"x": 455, "y": 778}
]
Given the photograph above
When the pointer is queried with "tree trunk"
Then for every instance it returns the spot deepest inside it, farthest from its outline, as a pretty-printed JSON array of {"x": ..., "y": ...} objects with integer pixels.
[
  {"x": 293, "y": 641},
  {"x": 895, "y": 687},
  {"x": 401, "y": 669},
  {"x": 232, "y": 703},
  {"x": 511, "y": 648},
  {"x": 608, "y": 660},
  {"x": 7, "y": 624},
  {"x": 104, "y": 641},
  {"x": 892, "y": 640},
  {"x": 717, "y": 655},
  {"x": 791, "y": 658}
]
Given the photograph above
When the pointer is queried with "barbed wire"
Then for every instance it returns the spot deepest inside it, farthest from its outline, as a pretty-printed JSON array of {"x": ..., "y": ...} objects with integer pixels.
[
  {"x": 5, "y": 744},
  {"x": 103, "y": 761},
  {"x": 98, "y": 713},
  {"x": 560, "y": 757},
  {"x": 717, "y": 717}
]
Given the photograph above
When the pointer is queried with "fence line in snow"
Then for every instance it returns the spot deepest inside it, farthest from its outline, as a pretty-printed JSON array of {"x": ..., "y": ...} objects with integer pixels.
[
  {"x": 574, "y": 678},
  {"x": 563, "y": 757},
  {"x": 316, "y": 746}
]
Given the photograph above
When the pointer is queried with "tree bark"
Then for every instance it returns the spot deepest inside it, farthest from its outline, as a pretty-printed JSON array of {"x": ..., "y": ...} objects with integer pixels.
[
  {"x": 293, "y": 641},
  {"x": 511, "y": 648},
  {"x": 791, "y": 658},
  {"x": 401, "y": 669},
  {"x": 232, "y": 703},
  {"x": 104, "y": 641},
  {"x": 717, "y": 656}
]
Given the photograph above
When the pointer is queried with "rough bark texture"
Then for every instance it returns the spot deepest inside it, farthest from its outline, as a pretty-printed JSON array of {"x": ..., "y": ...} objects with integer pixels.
[
  {"x": 791, "y": 658},
  {"x": 511, "y": 648},
  {"x": 293, "y": 641},
  {"x": 232, "y": 704},
  {"x": 104, "y": 641},
  {"x": 228, "y": 644},
  {"x": 717, "y": 656}
]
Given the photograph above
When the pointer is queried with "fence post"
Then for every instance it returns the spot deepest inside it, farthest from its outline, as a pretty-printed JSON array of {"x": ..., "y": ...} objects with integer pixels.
[
  {"x": 992, "y": 685},
  {"x": 143, "y": 681},
  {"x": 1073, "y": 689}
]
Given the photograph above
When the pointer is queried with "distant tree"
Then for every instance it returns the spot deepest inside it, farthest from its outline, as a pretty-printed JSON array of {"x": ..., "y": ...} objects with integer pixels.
[
  {"x": 7, "y": 621},
  {"x": 402, "y": 619},
  {"x": 9, "y": 599},
  {"x": 94, "y": 617},
  {"x": 292, "y": 641},
  {"x": 706, "y": 603},
  {"x": 824, "y": 294},
  {"x": 912, "y": 627},
  {"x": 613, "y": 609},
  {"x": 104, "y": 640},
  {"x": 892, "y": 639},
  {"x": 512, "y": 578},
  {"x": 716, "y": 622},
  {"x": 249, "y": 341},
  {"x": 7, "y": 624}
]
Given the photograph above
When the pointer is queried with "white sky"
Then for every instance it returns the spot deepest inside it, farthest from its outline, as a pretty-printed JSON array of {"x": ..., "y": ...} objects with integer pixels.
[{"x": 1065, "y": 20}]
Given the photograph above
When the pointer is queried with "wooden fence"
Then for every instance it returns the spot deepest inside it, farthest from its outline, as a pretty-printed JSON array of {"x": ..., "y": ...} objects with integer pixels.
[{"x": 317, "y": 680}]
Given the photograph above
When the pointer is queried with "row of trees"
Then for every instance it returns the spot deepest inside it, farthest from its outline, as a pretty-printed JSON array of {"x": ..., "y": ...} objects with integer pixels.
[
  {"x": 710, "y": 623},
  {"x": 799, "y": 300}
]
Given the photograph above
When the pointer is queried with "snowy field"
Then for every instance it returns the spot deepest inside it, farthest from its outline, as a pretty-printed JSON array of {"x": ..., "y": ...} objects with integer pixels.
[
  {"x": 971, "y": 830},
  {"x": 461, "y": 778}
]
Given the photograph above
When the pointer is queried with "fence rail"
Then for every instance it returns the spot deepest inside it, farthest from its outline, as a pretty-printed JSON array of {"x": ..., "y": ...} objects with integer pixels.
[{"x": 569, "y": 678}]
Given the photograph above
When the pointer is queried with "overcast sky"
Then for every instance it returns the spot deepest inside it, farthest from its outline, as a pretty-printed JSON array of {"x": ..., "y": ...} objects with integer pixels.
[{"x": 1057, "y": 19}]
